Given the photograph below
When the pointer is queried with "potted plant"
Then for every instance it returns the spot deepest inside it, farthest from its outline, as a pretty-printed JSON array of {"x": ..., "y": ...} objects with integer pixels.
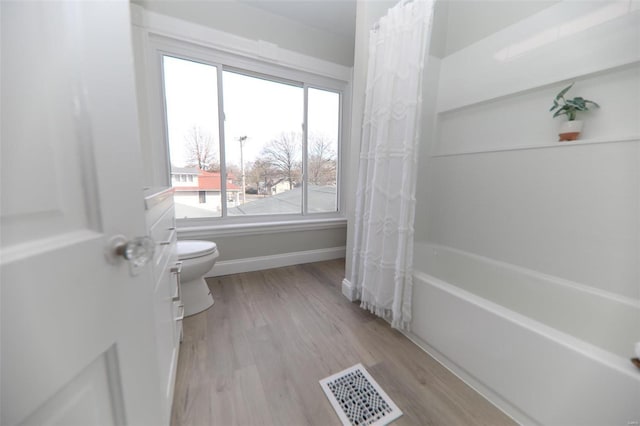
[{"x": 570, "y": 129}]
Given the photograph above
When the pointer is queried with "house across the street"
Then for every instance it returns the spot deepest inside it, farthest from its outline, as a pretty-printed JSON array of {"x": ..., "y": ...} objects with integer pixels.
[{"x": 196, "y": 189}]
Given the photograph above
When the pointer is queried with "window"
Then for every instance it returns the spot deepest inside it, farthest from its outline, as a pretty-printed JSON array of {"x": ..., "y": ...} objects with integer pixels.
[
  {"x": 191, "y": 107},
  {"x": 275, "y": 153},
  {"x": 322, "y": 148},
  {"x": 263, "y": 146}
]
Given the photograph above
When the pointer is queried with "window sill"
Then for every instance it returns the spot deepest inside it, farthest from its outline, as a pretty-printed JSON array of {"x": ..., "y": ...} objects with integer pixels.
[{"x": 242, "y": 229}]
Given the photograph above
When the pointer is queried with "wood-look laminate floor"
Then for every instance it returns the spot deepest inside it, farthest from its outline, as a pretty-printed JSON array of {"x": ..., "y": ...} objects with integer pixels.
[{"x": 256, "y": 356}]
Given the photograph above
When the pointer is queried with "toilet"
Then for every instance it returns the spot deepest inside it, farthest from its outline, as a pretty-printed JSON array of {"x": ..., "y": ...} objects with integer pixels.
[{"x": 197, "y": 257}]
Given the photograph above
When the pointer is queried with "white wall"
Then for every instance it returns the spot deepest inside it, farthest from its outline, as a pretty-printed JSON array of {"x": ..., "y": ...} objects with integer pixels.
[
  {"x": 249, "y": 246},
  {"x": 252, "y": 23},
  {"x": 468, "y": 21}
]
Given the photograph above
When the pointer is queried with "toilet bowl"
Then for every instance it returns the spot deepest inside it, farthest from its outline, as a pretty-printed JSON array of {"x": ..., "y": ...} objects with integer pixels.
[{"x": 197, "y": 257}]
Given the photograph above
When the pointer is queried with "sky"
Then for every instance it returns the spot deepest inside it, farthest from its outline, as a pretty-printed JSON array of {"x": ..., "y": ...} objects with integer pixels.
[{"x": 256, "y": 108}]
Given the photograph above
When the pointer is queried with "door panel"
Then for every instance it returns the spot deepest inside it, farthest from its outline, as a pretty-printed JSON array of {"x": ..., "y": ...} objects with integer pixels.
[
  {"x": 42, "y": 162},
  {"x": 52, "y": 322},
  {"x": 91, "y": 398},
  {"x": 77, "y": 332}
]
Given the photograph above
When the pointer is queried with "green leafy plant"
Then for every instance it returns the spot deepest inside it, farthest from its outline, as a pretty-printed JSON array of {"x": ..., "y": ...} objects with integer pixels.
[{"x": 570, "y": 107}]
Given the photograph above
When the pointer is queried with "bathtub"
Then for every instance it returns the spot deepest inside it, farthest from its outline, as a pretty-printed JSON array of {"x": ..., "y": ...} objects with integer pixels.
[{"x": 543, "y": 349}]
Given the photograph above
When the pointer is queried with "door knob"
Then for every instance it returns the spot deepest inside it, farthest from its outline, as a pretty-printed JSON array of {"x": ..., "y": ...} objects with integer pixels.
[{"x": 138, "y": 251}]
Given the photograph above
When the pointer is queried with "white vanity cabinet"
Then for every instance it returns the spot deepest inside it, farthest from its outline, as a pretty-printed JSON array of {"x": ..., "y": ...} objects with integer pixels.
[{"x": 165, "y": 270}]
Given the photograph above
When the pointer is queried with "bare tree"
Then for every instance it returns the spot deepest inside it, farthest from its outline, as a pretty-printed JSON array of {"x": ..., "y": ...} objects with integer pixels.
[
  {"x": 261, "y": 174},
  {"x": 322, "y": 161},
  {"x": 284, "y": 156},
  {"x": 201, "y": 150},
  {"x": 233, "y": 173}
]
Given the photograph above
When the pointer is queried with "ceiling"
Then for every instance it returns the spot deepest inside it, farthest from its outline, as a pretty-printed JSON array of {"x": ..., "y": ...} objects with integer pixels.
[
  {"x": 334, "y": 16},
  {"x": 458, "y": 22}
]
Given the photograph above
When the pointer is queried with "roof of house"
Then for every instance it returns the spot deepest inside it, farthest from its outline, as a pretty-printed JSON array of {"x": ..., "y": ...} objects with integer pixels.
[{"x": 321, "y": 199}]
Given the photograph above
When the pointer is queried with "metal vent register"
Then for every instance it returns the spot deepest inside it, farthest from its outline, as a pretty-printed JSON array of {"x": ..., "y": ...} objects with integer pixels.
[{"x": 358, "y": 399}]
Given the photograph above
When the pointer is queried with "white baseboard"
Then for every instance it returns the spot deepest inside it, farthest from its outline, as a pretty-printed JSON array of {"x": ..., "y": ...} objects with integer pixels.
[
  {"x": 349, "y": 290},
  {"x": 260, "y": 263},
  {"x": 496, "y": 400}
]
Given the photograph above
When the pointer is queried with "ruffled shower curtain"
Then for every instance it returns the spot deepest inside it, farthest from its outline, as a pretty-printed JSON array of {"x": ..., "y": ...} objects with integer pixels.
[{"x": 385, "y": 196}]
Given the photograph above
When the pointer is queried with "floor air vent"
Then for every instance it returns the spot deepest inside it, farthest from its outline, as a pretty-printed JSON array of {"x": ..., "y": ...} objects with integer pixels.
[{"x": 358, "y": 399}]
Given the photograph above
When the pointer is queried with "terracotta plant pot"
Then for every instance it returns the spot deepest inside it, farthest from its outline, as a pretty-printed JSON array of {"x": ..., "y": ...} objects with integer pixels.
[{"x": 570, "y": 130}]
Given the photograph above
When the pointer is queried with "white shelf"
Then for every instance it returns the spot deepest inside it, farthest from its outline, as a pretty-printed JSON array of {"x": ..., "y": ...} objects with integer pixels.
[{"x": 579, "y": 142}]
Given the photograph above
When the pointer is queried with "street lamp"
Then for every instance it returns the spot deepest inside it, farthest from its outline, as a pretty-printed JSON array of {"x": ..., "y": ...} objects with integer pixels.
[{"x": 241, "y": 139}]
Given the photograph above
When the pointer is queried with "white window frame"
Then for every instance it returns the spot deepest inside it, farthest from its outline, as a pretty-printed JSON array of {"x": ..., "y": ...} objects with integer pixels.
[{"x": 160, "y": 46}]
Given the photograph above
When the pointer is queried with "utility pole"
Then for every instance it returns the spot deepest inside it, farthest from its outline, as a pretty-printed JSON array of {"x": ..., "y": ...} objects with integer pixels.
[{"x": 241, "y": 139}]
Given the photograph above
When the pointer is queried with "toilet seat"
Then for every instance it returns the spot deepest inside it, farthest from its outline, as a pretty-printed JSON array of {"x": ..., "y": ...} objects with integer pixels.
[{"x": 191, "y": 249}]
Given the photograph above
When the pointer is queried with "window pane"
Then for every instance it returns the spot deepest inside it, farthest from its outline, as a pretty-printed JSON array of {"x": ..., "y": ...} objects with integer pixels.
[
  {"x": 263, "y": 142},
  {"x": 191, "y": 93},
  {"x": 322, "y": 162}
]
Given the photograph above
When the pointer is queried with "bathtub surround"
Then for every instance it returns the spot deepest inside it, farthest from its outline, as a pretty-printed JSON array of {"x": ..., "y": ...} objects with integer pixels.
[
  {"x": 530, "y": 271},
  {"x": 385, "y": 196}
]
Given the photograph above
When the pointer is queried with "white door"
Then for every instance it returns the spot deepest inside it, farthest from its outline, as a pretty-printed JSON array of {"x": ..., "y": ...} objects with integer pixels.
[{"x": 77, "y": 332}]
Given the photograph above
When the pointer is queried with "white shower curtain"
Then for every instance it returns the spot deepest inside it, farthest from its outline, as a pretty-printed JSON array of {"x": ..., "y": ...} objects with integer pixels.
[{"x": 385, "y": 196}]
